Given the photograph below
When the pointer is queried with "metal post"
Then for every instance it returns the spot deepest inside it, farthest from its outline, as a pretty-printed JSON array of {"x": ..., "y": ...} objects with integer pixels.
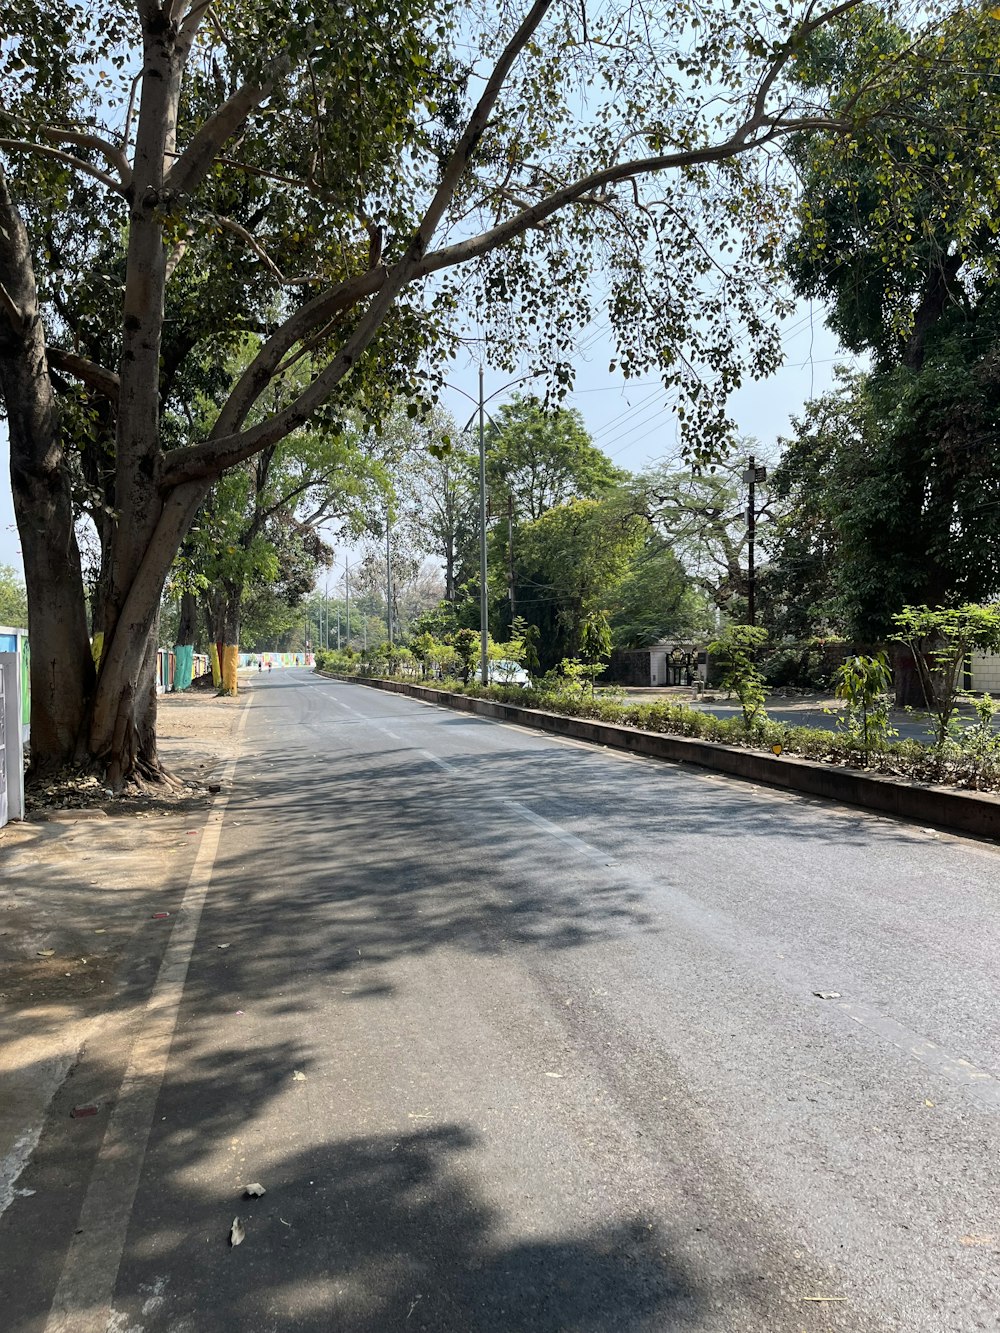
[
  {"x": 751, "y": 521},
  {"x": 484, "y": 610},
  {"x": 338, "y": 629},
  {"x": 511, "y": 594},
  {"x": 347, "y": 577},
  {"x": 326, "y": 615},
  {"x": 388, "y": 580}
]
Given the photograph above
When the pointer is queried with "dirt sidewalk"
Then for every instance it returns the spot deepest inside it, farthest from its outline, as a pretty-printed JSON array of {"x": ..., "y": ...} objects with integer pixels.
[{"x": 79, "y": 893}]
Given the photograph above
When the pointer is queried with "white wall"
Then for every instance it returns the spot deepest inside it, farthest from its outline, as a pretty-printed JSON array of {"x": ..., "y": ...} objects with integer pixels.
[{"x": 985, "y": 674}]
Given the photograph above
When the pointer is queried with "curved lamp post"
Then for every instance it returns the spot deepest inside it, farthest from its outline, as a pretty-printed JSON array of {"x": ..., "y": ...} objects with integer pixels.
[{"x": 483, "y": 414}]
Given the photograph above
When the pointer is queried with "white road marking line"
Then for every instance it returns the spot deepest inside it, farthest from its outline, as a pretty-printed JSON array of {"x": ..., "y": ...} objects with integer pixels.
[
  {"x": 435, "y": 760},
  {"x": 82, "y": 1300},
  {"x": 554, "y": 831},
  {"x": 958, "y": 1071},
  {"x": 981, "y": 1084}
]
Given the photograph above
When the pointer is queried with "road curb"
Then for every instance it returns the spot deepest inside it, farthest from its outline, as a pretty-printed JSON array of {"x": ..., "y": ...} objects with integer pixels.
[{"x": 977, "y": 813}]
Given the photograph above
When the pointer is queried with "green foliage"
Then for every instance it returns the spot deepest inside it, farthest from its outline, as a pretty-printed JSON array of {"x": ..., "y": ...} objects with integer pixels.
[
  {"x": 699, "y": 515},
  {"x": 940, "y": 639},
  {"x": 13, "y": 599},
  {"x": 570, "y": 564},
  {"x": 979, "y": 743},
  {"x": 895, "y": 235},
  {"x": 736, "y": 651},
  {"x": 657, "y": 597},
  {"x": 538, "y": 459},
  {"x": 595, "y": 643},
  {"x": 344, "y": 662},
  {"x": 864, "y": 683},
  {"x": 976, "y": 765},
  {"x": 436, "y": 657},
  {"x": 467, "y": 644},
  {"x": 807, "y": 664}
]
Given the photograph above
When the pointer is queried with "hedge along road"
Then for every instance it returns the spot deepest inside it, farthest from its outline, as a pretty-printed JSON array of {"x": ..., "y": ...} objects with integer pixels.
[{"x": 523, "y": 1035}]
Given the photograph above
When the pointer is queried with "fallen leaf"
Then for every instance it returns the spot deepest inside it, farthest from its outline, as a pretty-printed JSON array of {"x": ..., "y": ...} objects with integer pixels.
[
  {"x": 928, "y": 1103},
  {"x": 222, "y": 946},
  {"x": 827, "y": 994},
  {"x": 46, "y": 953},
  {"x": 100, "y": 931},
  {"x": 236, "y": 1232},
  {"x": 254, "y": 1191},
  {"x": 548, "y": 1075},
  {"x": 298, "y": 1076},
  {"x": 987, "y": 1238}
]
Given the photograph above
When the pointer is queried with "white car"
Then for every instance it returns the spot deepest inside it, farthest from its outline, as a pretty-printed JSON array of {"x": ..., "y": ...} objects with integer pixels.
[{"x": 508, "y": 673}]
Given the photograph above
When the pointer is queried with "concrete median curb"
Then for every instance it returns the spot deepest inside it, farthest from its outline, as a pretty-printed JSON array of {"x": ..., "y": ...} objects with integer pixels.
[{"x": 977, "y": 813}]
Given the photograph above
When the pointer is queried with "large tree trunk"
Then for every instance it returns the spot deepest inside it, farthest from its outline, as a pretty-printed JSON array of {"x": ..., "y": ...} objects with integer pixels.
[
  {"x": 226, "y": 603},
  {"x": 148, "y": 531},
  {"x": 184, "y": 647},
  {"x": 62, "y": 669},
  {"x": 121, "y": 734}
]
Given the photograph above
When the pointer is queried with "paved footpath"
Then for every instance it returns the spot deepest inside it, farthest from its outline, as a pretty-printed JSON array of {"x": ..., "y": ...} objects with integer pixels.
[{"x": 523, "y": 1036}]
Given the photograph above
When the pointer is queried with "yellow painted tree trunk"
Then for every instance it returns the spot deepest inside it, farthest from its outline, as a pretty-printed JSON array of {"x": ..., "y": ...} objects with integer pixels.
[{"x": 230, "y": 662}]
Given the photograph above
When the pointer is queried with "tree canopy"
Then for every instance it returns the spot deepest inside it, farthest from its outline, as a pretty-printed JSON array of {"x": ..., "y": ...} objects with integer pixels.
[{"x": 359, "y": 188}]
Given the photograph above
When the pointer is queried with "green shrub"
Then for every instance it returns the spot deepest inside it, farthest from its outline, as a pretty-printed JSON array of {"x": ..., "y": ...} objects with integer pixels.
[{"x": 736, "y": 651}]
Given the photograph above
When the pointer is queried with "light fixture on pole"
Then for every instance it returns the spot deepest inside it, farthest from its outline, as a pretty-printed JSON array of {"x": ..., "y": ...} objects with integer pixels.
[
  {"x": 753, "y": 476},
  {"x": 484, "y": 607},
  {"x": 388, "y": 577}
]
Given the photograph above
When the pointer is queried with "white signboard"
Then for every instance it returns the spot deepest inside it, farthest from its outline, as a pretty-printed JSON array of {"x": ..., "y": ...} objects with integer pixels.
[{"x": 10, "y": 736}]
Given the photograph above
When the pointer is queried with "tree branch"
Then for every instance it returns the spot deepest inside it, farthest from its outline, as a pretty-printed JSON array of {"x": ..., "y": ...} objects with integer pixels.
[
  {"x": 12, "y": 310},
  {"x": 193, "y": 164},
  {"x": 113, "y": 155},
  {"x": 228, "y": 446},
  {"x": 77, "y": 163},
  {"x": 227, "y": 224},
  {"x": 191, "y": 23},
  {"x": 217, "y": 453},
  {"x": 96, "y": 377}
]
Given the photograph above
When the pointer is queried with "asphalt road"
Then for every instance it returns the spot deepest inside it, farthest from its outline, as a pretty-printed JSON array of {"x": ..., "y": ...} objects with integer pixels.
[{"x": 521, "y": 1036}]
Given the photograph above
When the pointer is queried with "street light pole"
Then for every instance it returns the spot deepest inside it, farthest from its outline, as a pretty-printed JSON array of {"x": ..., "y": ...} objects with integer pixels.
[
  {"x": 484, "y": 610},
  {"x": 752, "y": 476},
  {"x": 347, "y": 579},
  {"x": 388, "y": 580},
  {"x": 484, "y": 617}
]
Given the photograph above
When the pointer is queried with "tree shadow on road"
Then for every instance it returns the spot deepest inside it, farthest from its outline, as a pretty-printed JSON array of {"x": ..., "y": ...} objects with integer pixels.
[{"x": 373, "y": 1234}]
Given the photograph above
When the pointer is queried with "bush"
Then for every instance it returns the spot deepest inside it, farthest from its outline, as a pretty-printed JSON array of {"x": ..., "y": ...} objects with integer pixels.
[
  {"x": 973, "y": 761},
  {"x": 736, "y": 651}
]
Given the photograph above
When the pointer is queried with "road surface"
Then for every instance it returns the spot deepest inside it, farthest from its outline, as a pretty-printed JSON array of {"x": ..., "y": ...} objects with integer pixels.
[{"x": 523, "y": 1036}]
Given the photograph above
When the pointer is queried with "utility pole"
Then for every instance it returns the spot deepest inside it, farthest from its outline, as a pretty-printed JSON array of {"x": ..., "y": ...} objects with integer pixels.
[
  {"x": 484, "y": 610},
  {"x": 326, "y": 615},
  {"x": 510, "y": 556},
  {"x": 388, "y": 580},
  {"x": 752, "y": 476},
  {"x": 338, "y": 629},
  {"x": 347, "y": 578}
]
